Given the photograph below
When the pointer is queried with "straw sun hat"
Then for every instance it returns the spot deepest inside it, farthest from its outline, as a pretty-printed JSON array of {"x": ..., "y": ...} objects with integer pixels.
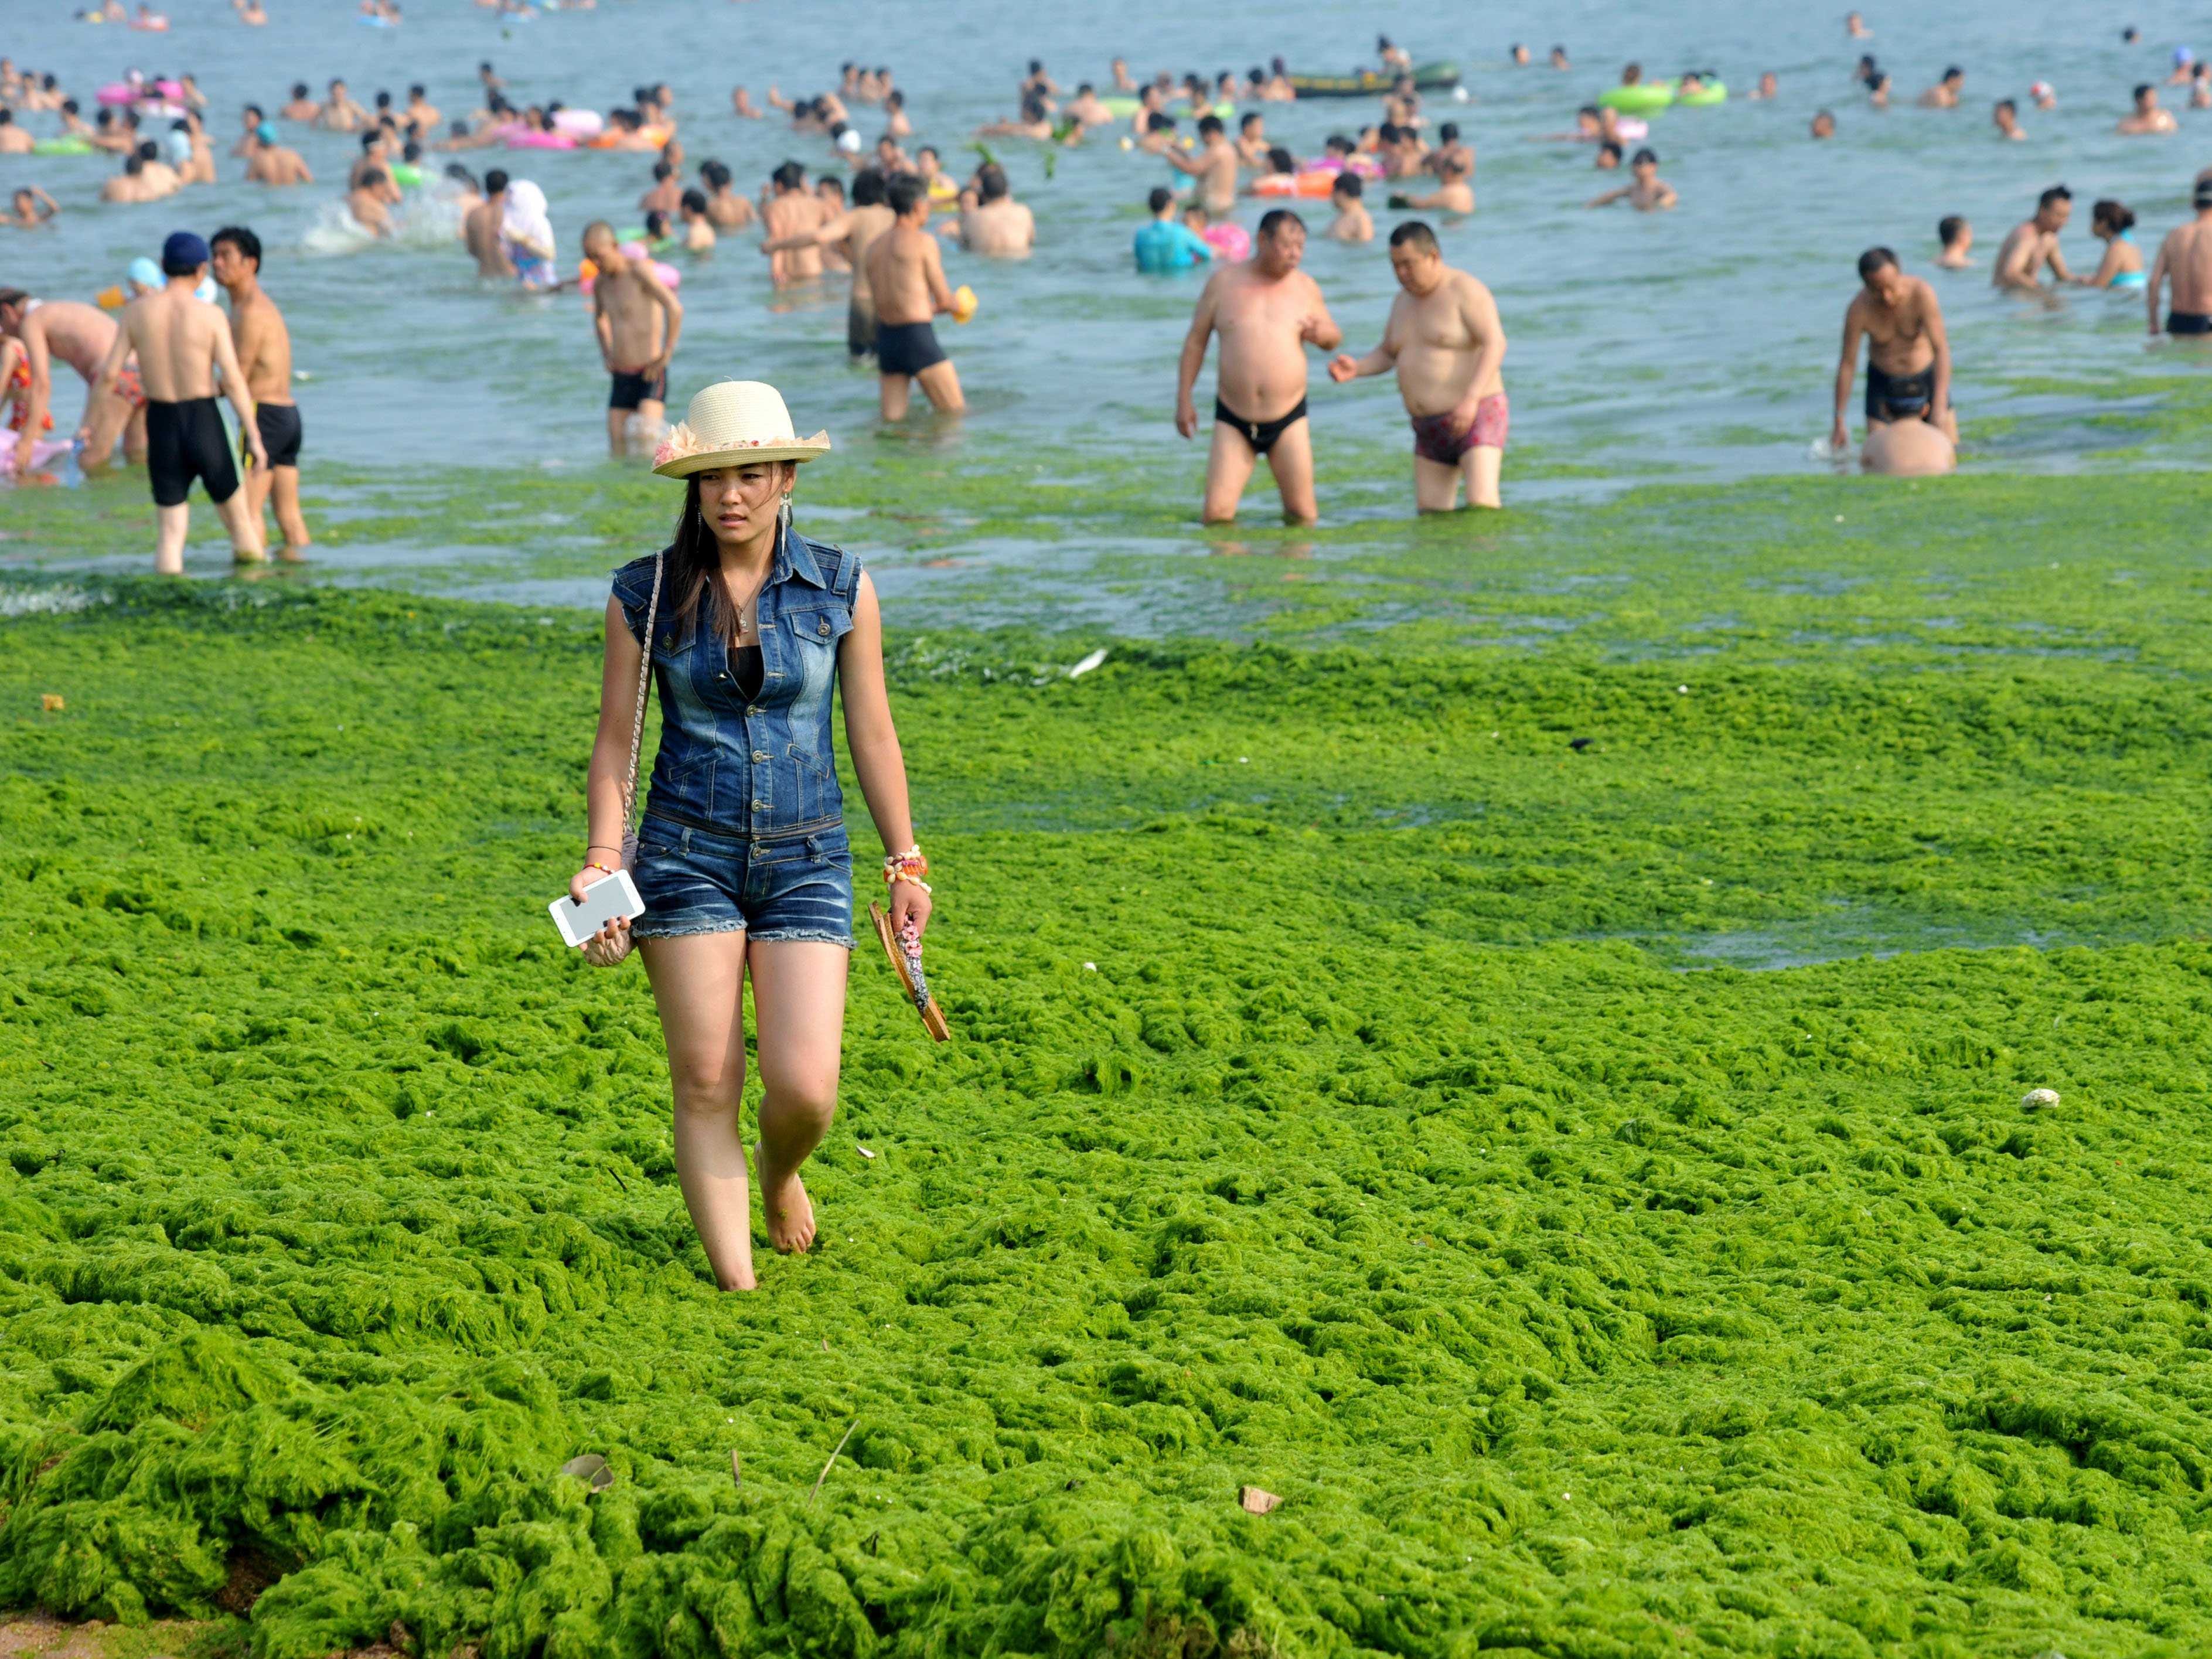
[{"x": 730, "y": 423}]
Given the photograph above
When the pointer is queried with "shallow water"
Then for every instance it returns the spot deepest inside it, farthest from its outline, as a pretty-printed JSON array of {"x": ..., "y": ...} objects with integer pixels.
[{"x": 1698, "y": 342}]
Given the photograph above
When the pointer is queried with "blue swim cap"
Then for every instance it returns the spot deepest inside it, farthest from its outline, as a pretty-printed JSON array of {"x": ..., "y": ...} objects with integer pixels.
[
  {"x": 266, "y": 132},
  {"x": 183, "y": 253},
  {"x": 2183, "y": 55},
  {"x": 144, "y": 272}
]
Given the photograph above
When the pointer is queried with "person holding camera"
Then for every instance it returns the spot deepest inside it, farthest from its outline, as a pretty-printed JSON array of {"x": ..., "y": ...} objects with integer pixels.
[{"x": 749, "y": 631}]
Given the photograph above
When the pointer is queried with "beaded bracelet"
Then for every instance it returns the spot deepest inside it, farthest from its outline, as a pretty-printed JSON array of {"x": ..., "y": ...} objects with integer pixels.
[
  {"x": 909, "y": 865},
  {"x": 593, "y": 863}
]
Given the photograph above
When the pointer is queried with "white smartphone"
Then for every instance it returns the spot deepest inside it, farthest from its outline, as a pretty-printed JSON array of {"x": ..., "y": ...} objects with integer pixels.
[{"x": 603, "y": 900}]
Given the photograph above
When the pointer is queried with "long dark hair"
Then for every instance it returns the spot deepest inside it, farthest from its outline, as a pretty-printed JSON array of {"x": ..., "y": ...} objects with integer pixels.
[{"x": 695, "y": 571}]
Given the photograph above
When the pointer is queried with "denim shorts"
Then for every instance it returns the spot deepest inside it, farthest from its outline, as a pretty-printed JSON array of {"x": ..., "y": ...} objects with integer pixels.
[{"x": 799, "y": 887}]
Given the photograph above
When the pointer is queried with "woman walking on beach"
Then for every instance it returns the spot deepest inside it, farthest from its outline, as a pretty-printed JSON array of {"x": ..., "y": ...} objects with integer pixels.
[{"x": 741, "y": 858}]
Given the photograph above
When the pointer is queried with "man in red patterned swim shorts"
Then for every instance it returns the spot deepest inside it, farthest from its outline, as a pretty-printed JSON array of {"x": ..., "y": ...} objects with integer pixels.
[{"x": 1446, "y": 343}]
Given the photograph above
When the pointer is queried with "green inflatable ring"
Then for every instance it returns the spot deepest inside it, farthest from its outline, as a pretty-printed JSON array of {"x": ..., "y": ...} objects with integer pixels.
[
  {"x": 1713, "y": 92},
  {"x": 1643, "y": 96},
  {"x": 1123, "y": 108},
  {"x": 407, "y": 175},
  {"x": 61, "y": 147}
]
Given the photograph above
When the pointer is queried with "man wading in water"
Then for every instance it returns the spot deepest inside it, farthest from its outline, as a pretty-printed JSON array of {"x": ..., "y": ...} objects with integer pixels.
[
  {"x": 1267, "y": 313},
  {"x": 637, "y": 320}
]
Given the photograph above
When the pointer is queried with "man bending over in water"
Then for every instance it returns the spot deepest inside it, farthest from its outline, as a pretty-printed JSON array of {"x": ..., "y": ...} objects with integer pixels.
[
  {"x": 70, "y": 331},
  {"x": 992, "y": 223},
  {"x": 183, "y": 343},
  {"x": 2186, "y": 257},
  {"x": 2033, "y": 244},
  {"x": 1908, "y": 353},
  {"x": 1266, "y": 312},
  {"x": 1446, "y": 342},
  {"x": 637, "y": 321},
  {"x": 265, "y": 355},
  {"x": 906, "y": 278}
]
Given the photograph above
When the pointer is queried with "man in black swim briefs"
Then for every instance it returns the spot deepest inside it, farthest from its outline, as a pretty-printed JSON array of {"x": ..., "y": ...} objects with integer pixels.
[
  {"x": 264, "y": 344},
  {"x": 2184, "y": 258},
  {"x": 1267, "y": 311},
  {"x": 906, "y": 276},
  {"x": 183, "y": 343},
  {"x": 1908, "y": 352}
]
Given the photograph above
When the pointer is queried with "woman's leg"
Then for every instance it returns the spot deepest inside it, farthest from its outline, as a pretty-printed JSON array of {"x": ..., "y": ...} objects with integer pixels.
[
  {"x": 698, "y": 982},
  {"x": 799, "y": 1028}
]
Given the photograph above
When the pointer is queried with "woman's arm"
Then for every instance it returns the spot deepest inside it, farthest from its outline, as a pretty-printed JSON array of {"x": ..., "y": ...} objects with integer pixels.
[
  {"x": 873, "y": 740},
  {"x": 603, "y": 784}
]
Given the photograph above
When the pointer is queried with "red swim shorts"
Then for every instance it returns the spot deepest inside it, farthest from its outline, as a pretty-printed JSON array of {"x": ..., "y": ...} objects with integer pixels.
[{"x": 1444, "y": 439}]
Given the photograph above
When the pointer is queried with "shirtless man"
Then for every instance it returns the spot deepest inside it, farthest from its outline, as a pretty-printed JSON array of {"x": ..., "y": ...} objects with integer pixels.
[
  {"x": 1085, "y": 109},
  {"x": 1214, "y": 167},
  {"x": 2006, "y": 115},
  {"x": 2148, "y": 120},
  {"x": 1252, "y": 145},
  {"x": 271, "y": 163},
  {"x": 793, "y": 211},
  {"x": 2033, "y": 244},
  {"x": 1352, "y": 223},
  {"x": 480, "y": 230},
  {"x": 906, "y": 278},
  {"x": 726, "y": 209},
  {"x": 183, "y": 343},
  {"x": 853, "y": 231},
  {"x": 992, "y": 223},
  {"x": 1446, "y": 342},
  {"x": 339, "y": 114},
  {"x": 741, "y": 103},
  {"x": 1648, "y": 193},
  {"x": 1453, "y": 193},
  {"x": 421, "y": 111},
  {"x": 637, "y": 321},
  {"x": 264, "y": 345},
  {"x": 1944, "y": 95},
  {"x": 302, "y": 108},
  {"x": 1266, "y": 312},
  {"x": 667, "y": 194},
  {"x": 1908, "y": 353},
  {"x": 1956, "y": 237},
  {"x": 1450, "y": 146},
  {"x": 2185, "y": 257},
  {"x": 131, "y": 185},
  {"x": 13, "y": 141},
  {"x": 78, "y": 334}
]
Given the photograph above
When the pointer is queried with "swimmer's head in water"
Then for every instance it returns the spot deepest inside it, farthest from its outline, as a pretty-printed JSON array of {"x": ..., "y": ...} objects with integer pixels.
[
  {"x": 2109, "y": 218},
  {"x": 1824, "y": 124},
  {"x": 991, "y": 183},
  {"x": 1281, "y": 162},
  {"x": 265, "y": 135},
  {"x": 1608, "y": 156},
  {"x": 1250, "y": 122},
  {"x": 868, "y": 187},
  {"x": 2146, "y": 95},
  {"x": 495, "y": 182},
  {"x": 299, "y": 90},
  {"x": 2201, "y": 198},
  {"x": 1645, "y": 158},
  {"x": 1518, "y": 52},
  {"x": 1949, "y": 228},
  {"x": 1347, "y": 187},
  {"x": 1630, "y": 74},
  {"x": 1876, "y": 260},
  {"x": 830, "y": 188},
  {"x": 2054, "y": 207},
  {"x": 1449, "y": 133},
  {"x": 1160, "y": 200},
  {"x": 1337, "y": 144},
  {"x": 1955, "y": 76},
  {"x": 789, "y": 177},
  {"x": 1209, "y": 126}
]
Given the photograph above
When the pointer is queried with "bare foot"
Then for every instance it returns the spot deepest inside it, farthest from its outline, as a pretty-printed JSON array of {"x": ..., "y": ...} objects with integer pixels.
[
  {"x": 292, "y": 555},
  {"x": 786, "y": 1210}
]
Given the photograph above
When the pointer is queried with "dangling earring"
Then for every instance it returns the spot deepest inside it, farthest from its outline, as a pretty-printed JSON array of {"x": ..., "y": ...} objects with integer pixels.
[{"x": 783, "y": 518}]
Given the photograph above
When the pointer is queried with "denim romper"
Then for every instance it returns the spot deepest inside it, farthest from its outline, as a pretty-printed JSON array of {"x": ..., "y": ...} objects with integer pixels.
[{"x": 745, "y": 823}]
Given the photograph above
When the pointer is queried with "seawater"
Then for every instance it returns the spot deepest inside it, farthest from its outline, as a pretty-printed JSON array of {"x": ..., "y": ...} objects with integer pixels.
[{"x": 1695, "y": 344}]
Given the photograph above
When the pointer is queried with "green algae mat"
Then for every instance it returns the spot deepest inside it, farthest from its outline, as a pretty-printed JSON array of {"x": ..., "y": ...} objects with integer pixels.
[{"x": 1548, "y": 1102}]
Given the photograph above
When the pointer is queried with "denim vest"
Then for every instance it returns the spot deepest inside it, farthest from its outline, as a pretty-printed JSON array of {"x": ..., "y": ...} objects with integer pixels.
[{"x": 765, "y": 769}]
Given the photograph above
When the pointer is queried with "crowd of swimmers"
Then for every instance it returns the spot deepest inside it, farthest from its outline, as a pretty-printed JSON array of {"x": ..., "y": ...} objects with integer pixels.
[{"x": 882, "y": 220}]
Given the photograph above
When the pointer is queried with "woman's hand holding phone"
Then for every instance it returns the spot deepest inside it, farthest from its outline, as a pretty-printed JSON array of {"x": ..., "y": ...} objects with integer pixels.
[{"x": 603, "y": 949}]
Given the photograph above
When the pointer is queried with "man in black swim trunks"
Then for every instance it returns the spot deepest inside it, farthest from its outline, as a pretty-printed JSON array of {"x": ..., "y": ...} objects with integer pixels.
[
  {"x": 1267, "y": 311},
  {"x": 1908, "y": 353},
  {"x": 906, "y": 276},
  {"x": 264, "y": 345},
  {"x": 183, "y": 343}
]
